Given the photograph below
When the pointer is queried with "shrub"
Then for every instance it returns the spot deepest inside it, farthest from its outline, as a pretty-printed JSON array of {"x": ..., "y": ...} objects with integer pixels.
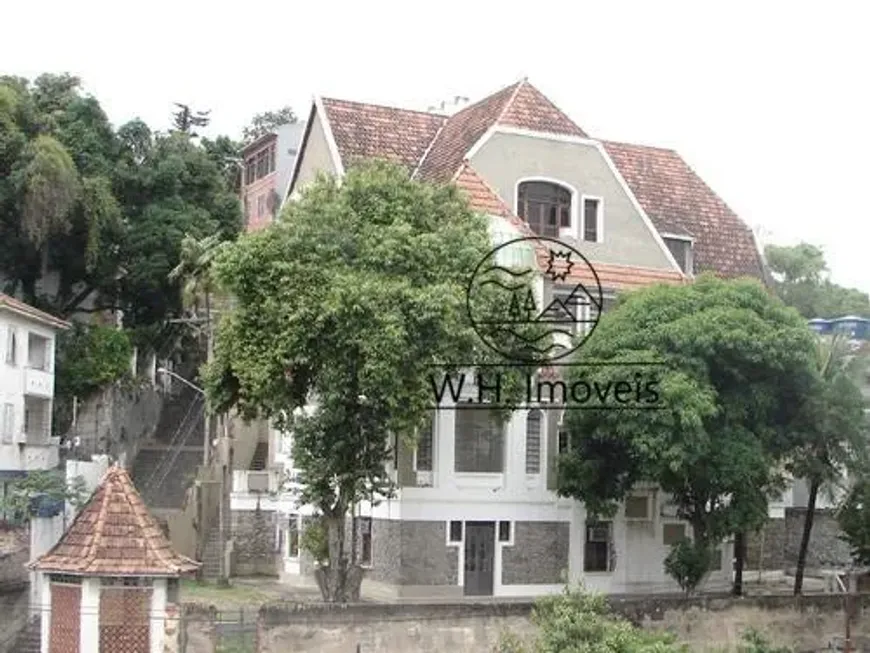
[{"x": 688, "y": 563}]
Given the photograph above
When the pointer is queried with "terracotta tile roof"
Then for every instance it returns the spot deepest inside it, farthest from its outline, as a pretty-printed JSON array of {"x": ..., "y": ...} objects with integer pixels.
[
  {"x": 484, "y": 199},
  {"x": 678, "y": 201},
  {"x": 369, "y": 131},
  {"x": 115, "y": 535},
  {"x": 26, "y": 310},
  {"x": 517, "y": 105}
]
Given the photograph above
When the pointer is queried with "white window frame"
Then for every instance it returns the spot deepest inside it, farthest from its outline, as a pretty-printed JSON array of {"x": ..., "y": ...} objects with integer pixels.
[
  {"x": 690, "y": 264},
  {"x": 573, "y": 230},
  {"x": 512, "y": 527},
  {"x": 649, "y": 508},
  {"x": 431, "y": 452},
  {"x": 461, "y": 540},
  {"x": 298, "y": 536},
  {"x": 541, "y": 437},
  {"x": 11, "y": 356},
  {"x": 599, "y": 219}
]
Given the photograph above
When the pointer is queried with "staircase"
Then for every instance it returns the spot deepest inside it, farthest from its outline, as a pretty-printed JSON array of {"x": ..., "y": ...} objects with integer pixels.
[
  {"x": 260, "y": 457},
  {"x": 166, "y": 467},
  {"x": 211, "y": 555}
]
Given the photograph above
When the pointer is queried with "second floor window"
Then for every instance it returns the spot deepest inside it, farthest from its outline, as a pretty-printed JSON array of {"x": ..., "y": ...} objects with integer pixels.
[
  {"x": 260, "y": 164},
  {"x": 682, "y": 251},
  {"x": 423, "y": 456},
  {"x": 545, "y": 206},
  {"x": 479, "y": 442},
  {"x": 11, "y": 346},
  {"x": 533, "y": 442}
]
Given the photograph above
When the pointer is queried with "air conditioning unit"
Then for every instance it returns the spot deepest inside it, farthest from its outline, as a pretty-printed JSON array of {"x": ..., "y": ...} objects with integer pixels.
[{"x": 258, "y": 482}]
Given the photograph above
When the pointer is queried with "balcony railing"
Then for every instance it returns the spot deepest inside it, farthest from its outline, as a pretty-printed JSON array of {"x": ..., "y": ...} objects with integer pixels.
[
  {"x": 38, "y": 383},
  {"x": 249, "y": 481}
]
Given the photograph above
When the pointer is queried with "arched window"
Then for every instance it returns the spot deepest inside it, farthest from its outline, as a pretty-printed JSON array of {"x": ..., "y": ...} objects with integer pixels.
[
  {"x": 533, "y": 442},
  {"x": 545, "y": 206}
]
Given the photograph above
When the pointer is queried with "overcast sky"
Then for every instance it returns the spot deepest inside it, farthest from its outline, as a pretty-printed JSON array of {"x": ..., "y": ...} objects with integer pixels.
[{"x": 768, "y": 101}]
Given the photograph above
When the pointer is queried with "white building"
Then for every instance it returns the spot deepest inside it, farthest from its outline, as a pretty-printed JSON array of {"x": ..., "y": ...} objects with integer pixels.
[{"x": 27, "y": 351}]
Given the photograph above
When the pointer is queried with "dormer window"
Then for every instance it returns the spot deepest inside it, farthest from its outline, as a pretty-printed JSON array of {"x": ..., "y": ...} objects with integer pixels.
[
  {"x": 545, "y": 206},
  {"x": 681, "y": 249}
]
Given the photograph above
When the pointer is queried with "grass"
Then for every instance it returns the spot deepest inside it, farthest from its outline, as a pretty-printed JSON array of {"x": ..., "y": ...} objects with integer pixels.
[{"x": 236, "y": 595}]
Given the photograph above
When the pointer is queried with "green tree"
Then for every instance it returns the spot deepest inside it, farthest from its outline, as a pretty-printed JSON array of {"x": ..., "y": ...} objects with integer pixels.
[
  {"x": 343, "y": 305},
  {"x": 266, "y": 122},
  {"x": 50, "y": 487},
  {"x": 733, "y": 364},
  {"x": 854, "y": 519},
  {"x": 831, "y": 433},
  {"x": 185, "y": 119},
  {"x": 801, "y": 281}
]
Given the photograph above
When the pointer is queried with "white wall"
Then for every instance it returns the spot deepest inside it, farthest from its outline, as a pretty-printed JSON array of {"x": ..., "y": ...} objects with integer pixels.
[
  {"x": 92, "y": 471},
  {"x": 15, "y": 381}
]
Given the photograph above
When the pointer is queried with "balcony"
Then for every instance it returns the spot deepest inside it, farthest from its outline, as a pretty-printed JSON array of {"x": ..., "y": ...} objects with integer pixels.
[
  {"x": 38, "y": 383},
  {"x": 249, "y": 481},
  {"x": 42, "y": 455}
]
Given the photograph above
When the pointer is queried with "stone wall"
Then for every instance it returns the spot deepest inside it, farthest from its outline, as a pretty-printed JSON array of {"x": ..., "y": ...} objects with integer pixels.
[
  {"x": 826, "y": 549},
  {"x": 539, "y": 554},
  {"x": 14, "y": 602},
  {"x": 765, "y": 549},
  {"x": 807, "y": 624},
  {"x": 254, "y": 542},
  {"x": 115, "y": 422}
]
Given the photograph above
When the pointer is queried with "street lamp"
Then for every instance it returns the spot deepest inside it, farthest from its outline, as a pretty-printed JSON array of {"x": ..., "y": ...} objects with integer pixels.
[{"x": 163, "y": 370}]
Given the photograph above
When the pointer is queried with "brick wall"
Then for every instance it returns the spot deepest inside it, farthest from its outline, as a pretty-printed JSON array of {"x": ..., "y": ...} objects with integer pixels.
[
  {"x": 254, "y": 543},
  {"x": 539, "y": 554}
]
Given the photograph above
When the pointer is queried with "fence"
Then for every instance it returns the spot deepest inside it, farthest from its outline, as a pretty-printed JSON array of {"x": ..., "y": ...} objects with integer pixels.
[{"x": 219, "y": 631}]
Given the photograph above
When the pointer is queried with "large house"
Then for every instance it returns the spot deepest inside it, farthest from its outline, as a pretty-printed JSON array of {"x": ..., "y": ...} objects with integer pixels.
[
  {"x": 27, "y": 339},
  {"x": 476, "y": 512}
]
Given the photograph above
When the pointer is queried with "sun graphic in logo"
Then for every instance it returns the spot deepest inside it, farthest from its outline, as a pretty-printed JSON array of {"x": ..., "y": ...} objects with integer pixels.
[{"x": 555, "y": 274}]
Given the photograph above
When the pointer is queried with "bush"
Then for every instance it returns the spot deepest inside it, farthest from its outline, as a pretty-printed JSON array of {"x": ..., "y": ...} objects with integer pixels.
[
  {"x": 755, "y": 642},
  {"x": 688, "y": 563},
  {"x": 315, "y": 541},
  {"x": 577, "y": 622},
  {"x": 91, "y": 357}
]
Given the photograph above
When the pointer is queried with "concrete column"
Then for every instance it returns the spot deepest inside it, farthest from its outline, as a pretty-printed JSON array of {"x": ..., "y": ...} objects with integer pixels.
[
  {"x": 89, "y": 635},
  {"x": 45, "y": 610},
  {"x": 157, "y": 610}
]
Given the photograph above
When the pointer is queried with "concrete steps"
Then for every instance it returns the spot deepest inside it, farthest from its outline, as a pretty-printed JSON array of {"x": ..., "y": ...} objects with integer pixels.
[
  {"x": 211, "y": 556},
  {"x": 260, "y": 457}
]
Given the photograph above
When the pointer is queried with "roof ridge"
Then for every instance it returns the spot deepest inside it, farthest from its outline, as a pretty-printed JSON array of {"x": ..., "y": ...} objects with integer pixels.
[
  {"x": 386, "y": 106},
  {"x": 661, "y": 148},
  {"x": 91, "y": 553},
  {"x": 429, "y": 147},
  {"x": 131, "y": 493},
  {"x": 510, "y": 101}
]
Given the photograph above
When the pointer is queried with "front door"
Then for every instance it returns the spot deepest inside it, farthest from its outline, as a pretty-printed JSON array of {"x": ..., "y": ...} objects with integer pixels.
[{"x": 479, "y": 557}]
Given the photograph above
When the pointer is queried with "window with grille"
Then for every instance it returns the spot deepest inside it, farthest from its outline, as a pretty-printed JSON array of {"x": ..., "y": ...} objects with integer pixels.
[
  {"x": 423, "y": 456},
  {"x": 365, "y": 540},
  {"x": 533, "y": 442},
  {"x": 591, "y": 219},
  {"x": 293, "y": 536},
  {"x": 597, "y": 552}
]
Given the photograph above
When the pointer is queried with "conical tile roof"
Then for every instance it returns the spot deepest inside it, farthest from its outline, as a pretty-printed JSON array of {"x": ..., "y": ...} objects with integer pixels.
[{"x": 115, "y": 535}]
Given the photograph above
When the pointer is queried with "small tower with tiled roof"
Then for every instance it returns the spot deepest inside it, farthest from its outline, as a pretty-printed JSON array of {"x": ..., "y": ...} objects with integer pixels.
[{"x": 111, "y": 581}]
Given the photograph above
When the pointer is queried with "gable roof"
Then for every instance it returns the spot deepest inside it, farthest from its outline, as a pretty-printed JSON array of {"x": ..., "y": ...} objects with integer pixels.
[
  {"x": 517, "y": 105},
  {"x": 369, "y": 130},
  {"x": 114, "y": 535},
  {"x": 434, "y": 148},
  {"x": 679, "y": 202},
  {"x": 27, "y": 311}
]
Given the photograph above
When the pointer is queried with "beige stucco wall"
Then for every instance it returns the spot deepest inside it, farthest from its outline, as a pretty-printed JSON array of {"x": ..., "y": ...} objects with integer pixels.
[
  {"x": 505, "y": 159},
  {"x": 315, "y": 157}
]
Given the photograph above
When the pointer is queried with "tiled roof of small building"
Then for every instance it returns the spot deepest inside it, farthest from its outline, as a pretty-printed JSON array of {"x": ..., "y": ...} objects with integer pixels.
[
  {"x": 26, "y": 310},
  {"x": 115, "y": 535}
]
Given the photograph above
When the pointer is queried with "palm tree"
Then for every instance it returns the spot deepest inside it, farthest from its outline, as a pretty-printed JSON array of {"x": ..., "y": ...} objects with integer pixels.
[
  {"x": 194, "y": 269},
  {"x": 834, "y": 429}
]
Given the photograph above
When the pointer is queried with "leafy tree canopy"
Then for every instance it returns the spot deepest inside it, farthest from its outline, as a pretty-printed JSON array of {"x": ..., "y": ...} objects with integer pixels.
[
  {"x": 802, "y": 282},
  {"x": 737, "y": 364},
  {"x": 346, "y": 302},
  {"x": 266, "y": 122},
  {"x": 89, "y": 211}
]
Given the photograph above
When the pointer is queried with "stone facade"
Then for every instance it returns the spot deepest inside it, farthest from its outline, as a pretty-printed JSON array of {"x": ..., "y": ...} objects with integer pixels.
[
  {"x": 826, "y": 549},
  {"x": 765, "y": 549},
  {"x": 254, "y": 543},
  {"x": 539, "y": 554}
]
